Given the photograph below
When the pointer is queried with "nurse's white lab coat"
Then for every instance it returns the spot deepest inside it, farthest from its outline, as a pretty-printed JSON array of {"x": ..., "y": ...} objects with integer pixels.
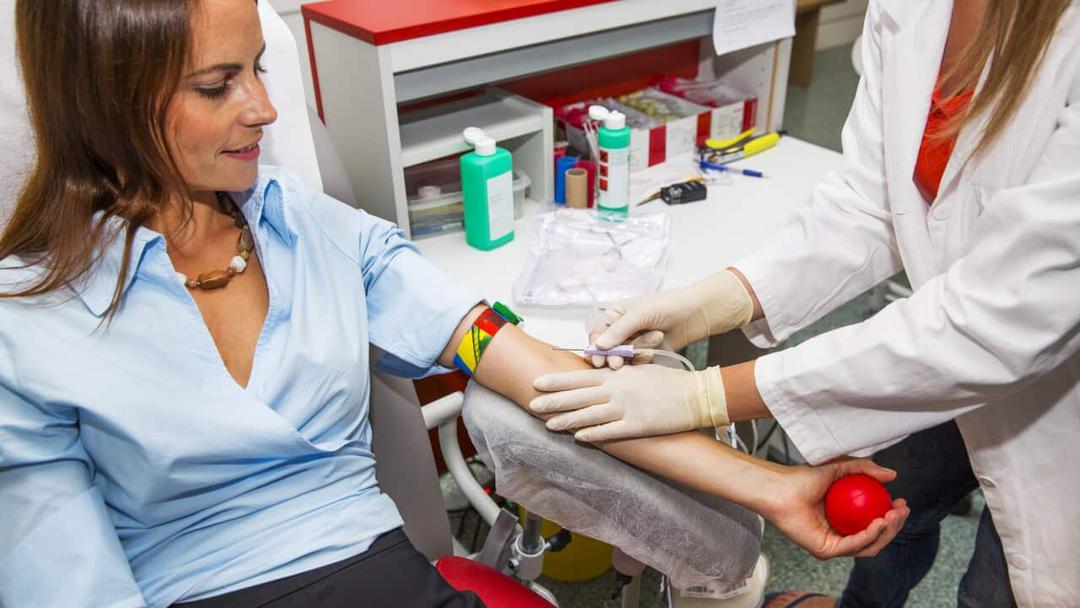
[{"x": 990, "y": 336}]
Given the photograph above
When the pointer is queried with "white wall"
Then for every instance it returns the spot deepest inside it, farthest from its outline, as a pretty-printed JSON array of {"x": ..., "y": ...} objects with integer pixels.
[
  {"x": 290, "y": 12},
  {"x": 840, "y": 23}
]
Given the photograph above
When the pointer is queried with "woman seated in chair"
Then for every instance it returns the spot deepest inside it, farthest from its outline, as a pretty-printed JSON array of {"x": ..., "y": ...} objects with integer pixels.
[{"x": 185, "y": 339}]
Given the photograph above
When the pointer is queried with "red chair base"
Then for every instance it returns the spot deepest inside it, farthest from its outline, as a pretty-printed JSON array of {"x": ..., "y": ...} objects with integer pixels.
[{"x": 496, "y": 589}]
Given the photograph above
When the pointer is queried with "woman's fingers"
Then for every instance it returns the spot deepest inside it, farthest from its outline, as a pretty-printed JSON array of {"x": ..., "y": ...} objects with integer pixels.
[
  {"x": 590, "y": 416},
  {"x": 866, "y": 467},
  {"x": 570, "y": 380},
  {"x": 570, "y": 400},
  {"x": 893, "y": 522}
]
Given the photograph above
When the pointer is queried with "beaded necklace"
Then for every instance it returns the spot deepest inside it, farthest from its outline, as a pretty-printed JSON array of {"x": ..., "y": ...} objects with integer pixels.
[{"x": 216, "y": 279}]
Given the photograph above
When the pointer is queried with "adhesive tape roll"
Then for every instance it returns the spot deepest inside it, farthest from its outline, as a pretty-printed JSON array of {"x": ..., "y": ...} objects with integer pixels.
[{"x": 577, "y": 188}]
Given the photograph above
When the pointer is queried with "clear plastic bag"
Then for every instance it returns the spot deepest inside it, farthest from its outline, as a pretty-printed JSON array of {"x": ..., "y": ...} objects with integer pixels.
[{"x": 579, "y": 259}]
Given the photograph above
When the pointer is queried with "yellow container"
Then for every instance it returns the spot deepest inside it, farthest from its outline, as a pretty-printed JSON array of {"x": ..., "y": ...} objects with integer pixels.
[{"x": 582, "y": 560}]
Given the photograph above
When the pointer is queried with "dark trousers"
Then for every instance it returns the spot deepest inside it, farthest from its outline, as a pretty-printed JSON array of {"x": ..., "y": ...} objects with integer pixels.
[
  {"x": 390, "y": 573},
  {"x": 934, "y": 476}
]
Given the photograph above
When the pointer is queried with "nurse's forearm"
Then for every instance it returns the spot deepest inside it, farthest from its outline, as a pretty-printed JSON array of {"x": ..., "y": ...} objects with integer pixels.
[
  {"x": 514, "y": 359},
  {"x": 744, "y": 402}
]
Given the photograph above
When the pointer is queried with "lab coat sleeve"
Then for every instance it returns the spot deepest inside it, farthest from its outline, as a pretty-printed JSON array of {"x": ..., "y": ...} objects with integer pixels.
[
  {"x": 842, "y": 242},
  {"x": 998, "y": 319},
  {"x": 58, "y": 546}
]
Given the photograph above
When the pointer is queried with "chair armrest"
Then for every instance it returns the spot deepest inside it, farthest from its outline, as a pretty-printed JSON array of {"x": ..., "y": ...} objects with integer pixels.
[{"x": 443, "y": 414}]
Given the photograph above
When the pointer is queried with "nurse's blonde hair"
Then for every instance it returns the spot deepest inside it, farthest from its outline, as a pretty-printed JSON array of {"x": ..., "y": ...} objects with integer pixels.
[{"x": 1013, "y": 37}]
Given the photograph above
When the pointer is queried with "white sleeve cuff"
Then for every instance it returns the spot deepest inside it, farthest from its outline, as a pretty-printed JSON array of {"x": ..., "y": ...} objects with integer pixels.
[{"x": 798, "y": 419}]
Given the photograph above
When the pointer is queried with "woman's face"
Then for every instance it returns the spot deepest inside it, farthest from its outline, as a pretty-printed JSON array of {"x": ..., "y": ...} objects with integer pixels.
[{"x": 216, "y": 119}]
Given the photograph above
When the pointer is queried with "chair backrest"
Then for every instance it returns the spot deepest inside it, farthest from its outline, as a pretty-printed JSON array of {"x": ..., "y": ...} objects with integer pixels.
[
  {"x": 288, "y": 142},
  {"x": 405, "y": 465},
  {"x": 15, "y": 133}
]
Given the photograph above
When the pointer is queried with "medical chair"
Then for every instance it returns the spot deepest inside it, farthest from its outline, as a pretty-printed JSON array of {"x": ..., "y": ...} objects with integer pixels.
[
  {"x": 504, "y": 571},
  {"x": 404, "y": 466}
]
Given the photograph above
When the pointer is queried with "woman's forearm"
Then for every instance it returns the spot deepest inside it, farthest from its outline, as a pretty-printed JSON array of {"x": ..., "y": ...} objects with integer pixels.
[{"x": 514, "y": 359}]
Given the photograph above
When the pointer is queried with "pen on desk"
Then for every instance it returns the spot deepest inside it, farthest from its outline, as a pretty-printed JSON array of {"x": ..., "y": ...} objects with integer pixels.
[{"x": 747, "y": 172}]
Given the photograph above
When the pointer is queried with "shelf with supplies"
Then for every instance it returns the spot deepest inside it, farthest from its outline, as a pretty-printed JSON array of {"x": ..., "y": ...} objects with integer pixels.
[
  {"x": 362, "y": 76},
  {"x": 431, "y": 138}
]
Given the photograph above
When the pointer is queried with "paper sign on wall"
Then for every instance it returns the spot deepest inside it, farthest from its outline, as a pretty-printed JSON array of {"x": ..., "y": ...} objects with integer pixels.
[{"x": 743, "y": 23}]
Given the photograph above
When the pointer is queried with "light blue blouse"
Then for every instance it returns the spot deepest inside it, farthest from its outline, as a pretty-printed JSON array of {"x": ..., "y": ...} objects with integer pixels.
[{"x": 134, "y": 470}]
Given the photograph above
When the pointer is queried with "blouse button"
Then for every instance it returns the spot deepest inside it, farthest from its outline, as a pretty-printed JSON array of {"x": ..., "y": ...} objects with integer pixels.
[{"x": 1018, "y": 561}]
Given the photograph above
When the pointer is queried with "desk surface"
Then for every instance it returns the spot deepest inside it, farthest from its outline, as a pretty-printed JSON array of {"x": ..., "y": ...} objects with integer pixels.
[
  {"x": 705, "y": 237},
  {"x": 384, "y": 23}
]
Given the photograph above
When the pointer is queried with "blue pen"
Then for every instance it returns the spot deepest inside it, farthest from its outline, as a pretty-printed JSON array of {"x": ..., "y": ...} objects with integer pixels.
[{"x": 747, "y": 172}]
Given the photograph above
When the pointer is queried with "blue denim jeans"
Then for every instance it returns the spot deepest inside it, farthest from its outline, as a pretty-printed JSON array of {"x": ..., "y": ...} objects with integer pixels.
[{"x": 934, "y": 476}]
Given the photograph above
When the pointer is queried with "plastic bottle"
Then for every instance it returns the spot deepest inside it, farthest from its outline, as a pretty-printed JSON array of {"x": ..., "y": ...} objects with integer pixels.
[
  {"x": 613, "y": 140},
  {"x": 488, "y": 188}
]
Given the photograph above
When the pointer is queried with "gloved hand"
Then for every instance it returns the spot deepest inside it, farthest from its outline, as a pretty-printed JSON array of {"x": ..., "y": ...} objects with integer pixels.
[
  {"x": 635, "y": 401},
  {"x": 674, "y": 318}
]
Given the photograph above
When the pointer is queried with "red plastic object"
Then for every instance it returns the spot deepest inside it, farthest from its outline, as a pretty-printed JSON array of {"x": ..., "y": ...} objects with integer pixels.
[
  {"x": 853, "y": 501},
  {"x": 386, "y": 22},
  {"x": 496, "y": 589},
  {"x": 590, "y": 172}
]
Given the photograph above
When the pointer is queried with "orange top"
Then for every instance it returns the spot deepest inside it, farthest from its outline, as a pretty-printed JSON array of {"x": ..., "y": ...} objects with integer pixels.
[{"x": 934, "y": 153}]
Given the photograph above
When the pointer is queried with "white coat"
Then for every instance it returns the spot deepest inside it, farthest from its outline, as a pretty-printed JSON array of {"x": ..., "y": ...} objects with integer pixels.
[{"x": 990, "y": 336}]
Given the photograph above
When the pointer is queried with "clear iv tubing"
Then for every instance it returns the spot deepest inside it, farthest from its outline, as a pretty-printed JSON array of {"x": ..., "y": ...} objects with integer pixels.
[{"x": 628, "y": 352}]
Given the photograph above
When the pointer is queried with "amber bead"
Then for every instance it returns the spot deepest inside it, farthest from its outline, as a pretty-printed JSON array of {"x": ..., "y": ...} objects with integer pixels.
[
  {"x": 213, "y": 279},
  {"x": 244, "y": 241}
]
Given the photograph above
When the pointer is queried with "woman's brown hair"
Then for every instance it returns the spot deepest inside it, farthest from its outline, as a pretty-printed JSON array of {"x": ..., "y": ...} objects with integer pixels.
[
  {"x": 1013, "y": 37},
  {"x": 99, "y": 76}
]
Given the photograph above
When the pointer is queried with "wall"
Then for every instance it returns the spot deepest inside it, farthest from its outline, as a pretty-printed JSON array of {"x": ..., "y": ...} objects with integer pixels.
[{"x": 840, "y": 23}]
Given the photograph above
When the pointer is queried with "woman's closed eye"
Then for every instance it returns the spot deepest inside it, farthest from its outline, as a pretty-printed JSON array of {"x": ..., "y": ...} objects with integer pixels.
[
  {"x": 220, "y": 89},
  {"x": 216, "y": 91}
]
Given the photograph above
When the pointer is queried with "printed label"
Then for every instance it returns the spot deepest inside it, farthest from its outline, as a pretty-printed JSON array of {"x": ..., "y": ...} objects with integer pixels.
[
  {"x": 500, "y": 194},
  {"x": 717, "y": 590},
  {"x": 727, "y": 121},
  {"x": 615, "y": 191}
]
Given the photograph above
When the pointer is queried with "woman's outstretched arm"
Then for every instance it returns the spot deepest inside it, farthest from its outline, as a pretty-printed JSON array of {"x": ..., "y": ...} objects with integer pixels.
[{"x": 791, "y": 497}]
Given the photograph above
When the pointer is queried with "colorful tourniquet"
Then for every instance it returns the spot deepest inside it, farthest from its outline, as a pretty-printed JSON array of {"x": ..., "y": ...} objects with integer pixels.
[{"x": 476, "y": 340}]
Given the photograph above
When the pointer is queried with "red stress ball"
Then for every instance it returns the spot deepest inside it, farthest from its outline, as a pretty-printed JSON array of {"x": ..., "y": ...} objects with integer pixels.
[{"x": 853, "y": 501}]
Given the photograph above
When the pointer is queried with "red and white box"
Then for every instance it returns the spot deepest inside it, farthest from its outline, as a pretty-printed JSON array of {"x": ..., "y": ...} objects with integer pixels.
[
  {"x": 733, "y": 111},
  {"x": 662, "y": 125}
]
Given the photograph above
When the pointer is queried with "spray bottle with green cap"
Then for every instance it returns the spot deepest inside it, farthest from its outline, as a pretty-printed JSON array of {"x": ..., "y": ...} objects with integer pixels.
[
  {"x": 488, "y": 189},
  {"x": 613, "y": 139}
]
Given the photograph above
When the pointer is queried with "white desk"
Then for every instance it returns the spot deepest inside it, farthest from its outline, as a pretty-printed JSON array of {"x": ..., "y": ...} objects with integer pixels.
[{"x": 706, "y": 236}]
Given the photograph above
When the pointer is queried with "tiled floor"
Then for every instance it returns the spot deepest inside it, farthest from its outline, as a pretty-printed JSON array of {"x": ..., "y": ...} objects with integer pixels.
[{"x": 815, "y": 114}]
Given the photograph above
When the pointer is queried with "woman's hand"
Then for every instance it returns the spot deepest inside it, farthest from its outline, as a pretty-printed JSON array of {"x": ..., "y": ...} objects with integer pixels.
[
  {"x": 673, "y": 318},
  {"x": 798, "y": 510}
]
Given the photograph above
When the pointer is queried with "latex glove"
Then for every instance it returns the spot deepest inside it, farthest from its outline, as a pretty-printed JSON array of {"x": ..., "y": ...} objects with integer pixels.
[
  {"x": 635, "y": 401},
  {"x": 673, "y": 318},
  {"x": 798, "y": 510}
]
